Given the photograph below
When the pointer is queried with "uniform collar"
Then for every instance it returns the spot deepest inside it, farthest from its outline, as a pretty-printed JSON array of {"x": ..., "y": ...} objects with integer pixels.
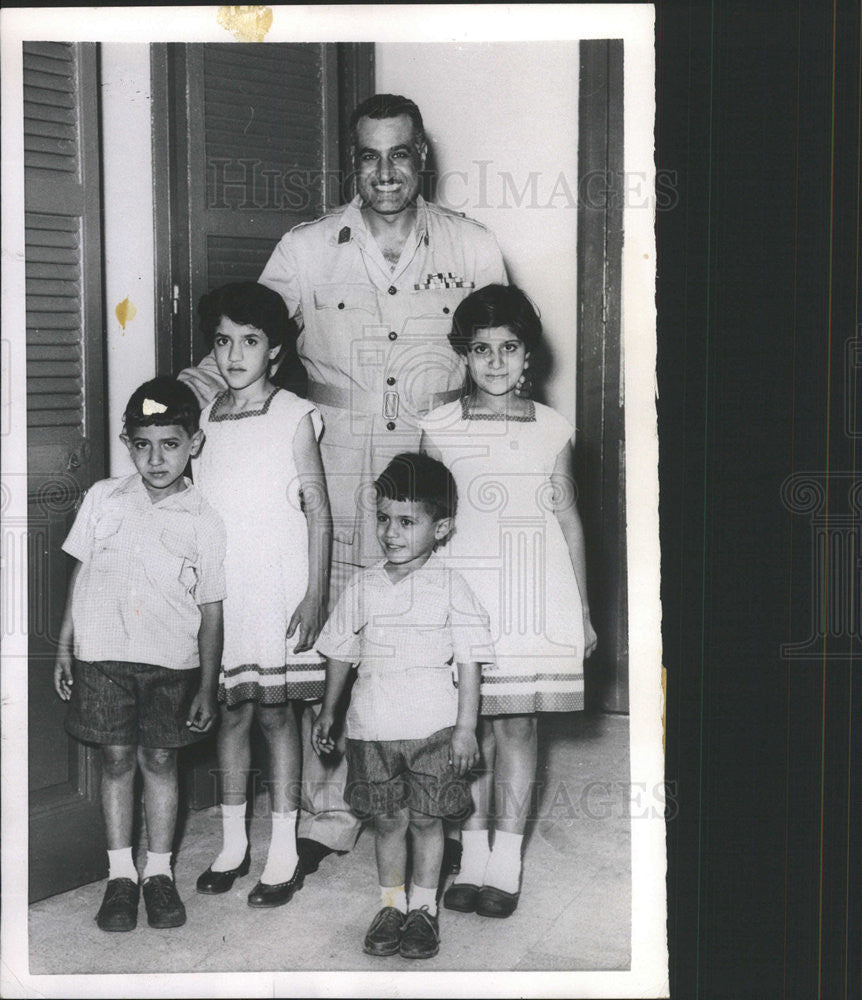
[{"x": 353, "y": 225}]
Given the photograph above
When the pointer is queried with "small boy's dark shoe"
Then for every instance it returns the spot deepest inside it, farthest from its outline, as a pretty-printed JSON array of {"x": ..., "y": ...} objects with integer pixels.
[
  {"x": 119, "y": 909},
  {"x": 420, "y": 937},
  {"x": 163, "y": 903},
  {"x": 384, "y": 934}
]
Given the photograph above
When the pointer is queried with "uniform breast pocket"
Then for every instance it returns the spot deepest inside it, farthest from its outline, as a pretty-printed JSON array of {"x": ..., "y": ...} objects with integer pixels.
[
  {"x": 173, "y": 559},
  {"x": 345, "y": 299}
]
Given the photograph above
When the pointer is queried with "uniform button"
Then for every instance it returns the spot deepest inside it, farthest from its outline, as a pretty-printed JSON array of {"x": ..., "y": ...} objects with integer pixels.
[
  {"x": 392, "y": 289},
  {"x": 390, "y": 381},
  {"x": 340, "y": 305},
  {"x": 445, "y": 309},
  {"x": 393, "y": 335},
  {"x": 391, "y": 425}
]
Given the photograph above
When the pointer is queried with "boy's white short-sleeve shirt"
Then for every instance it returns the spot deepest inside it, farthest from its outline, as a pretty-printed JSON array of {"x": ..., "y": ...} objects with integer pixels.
[
  {"x": 145, "y": 569},
  {"x": 405, "y": 638}
]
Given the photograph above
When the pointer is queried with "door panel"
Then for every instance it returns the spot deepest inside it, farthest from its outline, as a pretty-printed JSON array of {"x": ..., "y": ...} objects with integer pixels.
[{"x": 65, "y": 434}]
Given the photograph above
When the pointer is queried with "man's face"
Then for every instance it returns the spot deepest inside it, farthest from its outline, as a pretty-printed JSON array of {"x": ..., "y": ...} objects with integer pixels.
[{"x": 388, "y": 163}]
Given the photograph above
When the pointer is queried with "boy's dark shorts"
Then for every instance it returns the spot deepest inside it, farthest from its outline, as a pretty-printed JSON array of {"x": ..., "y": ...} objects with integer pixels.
[
  {"x": 131, "y": 704},
  {"x": 386, "y": 775}
]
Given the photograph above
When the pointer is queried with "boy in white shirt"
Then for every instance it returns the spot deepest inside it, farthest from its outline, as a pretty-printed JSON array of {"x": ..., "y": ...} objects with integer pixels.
[
  {"x": 140, "y": 644},
  {"x": 406, "y": 622}
]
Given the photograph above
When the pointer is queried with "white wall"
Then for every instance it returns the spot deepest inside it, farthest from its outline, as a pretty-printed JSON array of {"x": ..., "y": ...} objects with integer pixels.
[
  {"x": 502, "y": 121},
  {"x": 127, "y": 178}
]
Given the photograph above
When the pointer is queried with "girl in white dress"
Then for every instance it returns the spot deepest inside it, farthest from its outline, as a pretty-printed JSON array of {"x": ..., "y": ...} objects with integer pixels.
[
  {"x": 260, "y": 468},
  {"x": 520, "y": 545}
]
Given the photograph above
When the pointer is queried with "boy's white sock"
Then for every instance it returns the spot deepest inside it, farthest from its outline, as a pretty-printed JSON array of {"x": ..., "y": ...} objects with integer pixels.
[
  {"x": 282, "y": 858},
  {"x": 120, "y": 864},
  {"x": 234, "y": 841},
  {"x": 157, "y": 864},
  {"x": 393, "y": 895},
  {"x": 420, "y": 897},
  {"x": 474, "y": 858},
  {"x": 504, "y": 865}
]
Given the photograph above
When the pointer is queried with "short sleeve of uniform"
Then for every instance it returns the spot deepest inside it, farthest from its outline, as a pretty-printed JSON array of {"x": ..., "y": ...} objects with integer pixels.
[
  {"x": 281, "y": 275},
  {"x": 470, "y": 624},
  {"x": 341, "y": 638},
  {"x": 79, "y": 541},
  {"x": 490, "y": 269},
  {"x": 212, "y": 545}
]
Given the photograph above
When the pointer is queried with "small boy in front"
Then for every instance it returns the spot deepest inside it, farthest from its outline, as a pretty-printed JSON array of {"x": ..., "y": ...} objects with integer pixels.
[
  {"x": 140, "y": 644},
  {"x": 411, "y": 734}
]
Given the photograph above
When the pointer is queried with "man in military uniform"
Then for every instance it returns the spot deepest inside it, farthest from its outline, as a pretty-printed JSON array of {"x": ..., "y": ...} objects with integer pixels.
[{"x": 373, "y": 287}]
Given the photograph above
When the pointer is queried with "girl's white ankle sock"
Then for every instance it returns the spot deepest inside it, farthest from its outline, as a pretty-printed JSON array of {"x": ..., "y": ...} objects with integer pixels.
[
  {"x": 234, "y": 838},
  {"x": 157, "y": 864},
  {"x": 474, "y": 858},
  {"x": 120, "y": 864},
  {"x": 504, "y": 865},
  {"x": 393, "y": 895},
  {"x": 282, "y": 858},
  {"x": 420, "y": 896}
]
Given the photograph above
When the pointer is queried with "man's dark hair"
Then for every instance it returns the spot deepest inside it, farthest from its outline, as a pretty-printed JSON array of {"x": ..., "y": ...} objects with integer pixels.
[
  {"x": 175, "y": 403},
  {"x": 248, "y": 303},
  {"x": 388, "y": 106},
  {"x": 415, "y": 478},
  {"x": 492, "y": 306}
]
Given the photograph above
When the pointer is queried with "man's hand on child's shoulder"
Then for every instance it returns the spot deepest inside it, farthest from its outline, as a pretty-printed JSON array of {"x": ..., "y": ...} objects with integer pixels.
[
  {"x": 464, "y": 750},
  {"x": 203, "y": 711}
]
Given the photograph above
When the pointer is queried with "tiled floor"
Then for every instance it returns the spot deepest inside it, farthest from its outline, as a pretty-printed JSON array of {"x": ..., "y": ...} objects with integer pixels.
[{"x": 574, "y": 912}]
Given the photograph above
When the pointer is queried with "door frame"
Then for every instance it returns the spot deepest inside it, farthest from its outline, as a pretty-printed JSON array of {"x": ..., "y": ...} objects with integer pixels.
[
  {"x": 349, "y": 67},
  {"x": 600, "y": 450}
]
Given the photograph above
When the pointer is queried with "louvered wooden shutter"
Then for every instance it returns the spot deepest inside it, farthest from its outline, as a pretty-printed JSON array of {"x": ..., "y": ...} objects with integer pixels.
[
  {"x": 263, "y": 153},
  {"x": 62, "y": 250}
]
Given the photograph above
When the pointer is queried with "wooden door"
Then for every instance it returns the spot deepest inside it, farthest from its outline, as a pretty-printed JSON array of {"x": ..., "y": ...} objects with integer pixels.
[
  {"x": 600, "y": 390},
  {"x": 248, "y": 141},
  {"x": 65, "y": 433}
]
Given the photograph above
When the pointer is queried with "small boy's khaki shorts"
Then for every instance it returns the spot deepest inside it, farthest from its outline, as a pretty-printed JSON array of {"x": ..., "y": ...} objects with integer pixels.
[
  {"x": 115, "y": 703},
  {"x": 388, "y": 775}
]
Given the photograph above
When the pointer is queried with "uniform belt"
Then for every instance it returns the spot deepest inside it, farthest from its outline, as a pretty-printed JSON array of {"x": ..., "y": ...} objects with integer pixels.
[{"x": 385, "y": 403}]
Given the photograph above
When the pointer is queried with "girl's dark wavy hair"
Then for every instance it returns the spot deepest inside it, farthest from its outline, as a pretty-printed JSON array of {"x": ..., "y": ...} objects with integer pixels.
[
  {"x": 251, "y": 304},
  {"x": 496, "y": 305}
]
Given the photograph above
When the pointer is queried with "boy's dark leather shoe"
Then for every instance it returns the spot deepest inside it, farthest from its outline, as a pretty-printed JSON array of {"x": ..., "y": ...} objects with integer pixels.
[
  {"x": 311, "y": 853},
  {"x": 119, "y": 909},
  {"x": 461, "y": 896},
  {"x": 384, "y": 934},
  {"x": 493, "y": 902},
  {"x": 420, "y": 937},
  {"x": 215, "y": 883},
  {"x": 163, "y": 903},
  {"x": 264, "y": 895}
]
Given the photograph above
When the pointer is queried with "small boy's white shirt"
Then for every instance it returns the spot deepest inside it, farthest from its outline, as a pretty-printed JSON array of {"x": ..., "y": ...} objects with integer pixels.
[
  {"x": 404, "y": 637},
  {"x": 145, "y": 568}
]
